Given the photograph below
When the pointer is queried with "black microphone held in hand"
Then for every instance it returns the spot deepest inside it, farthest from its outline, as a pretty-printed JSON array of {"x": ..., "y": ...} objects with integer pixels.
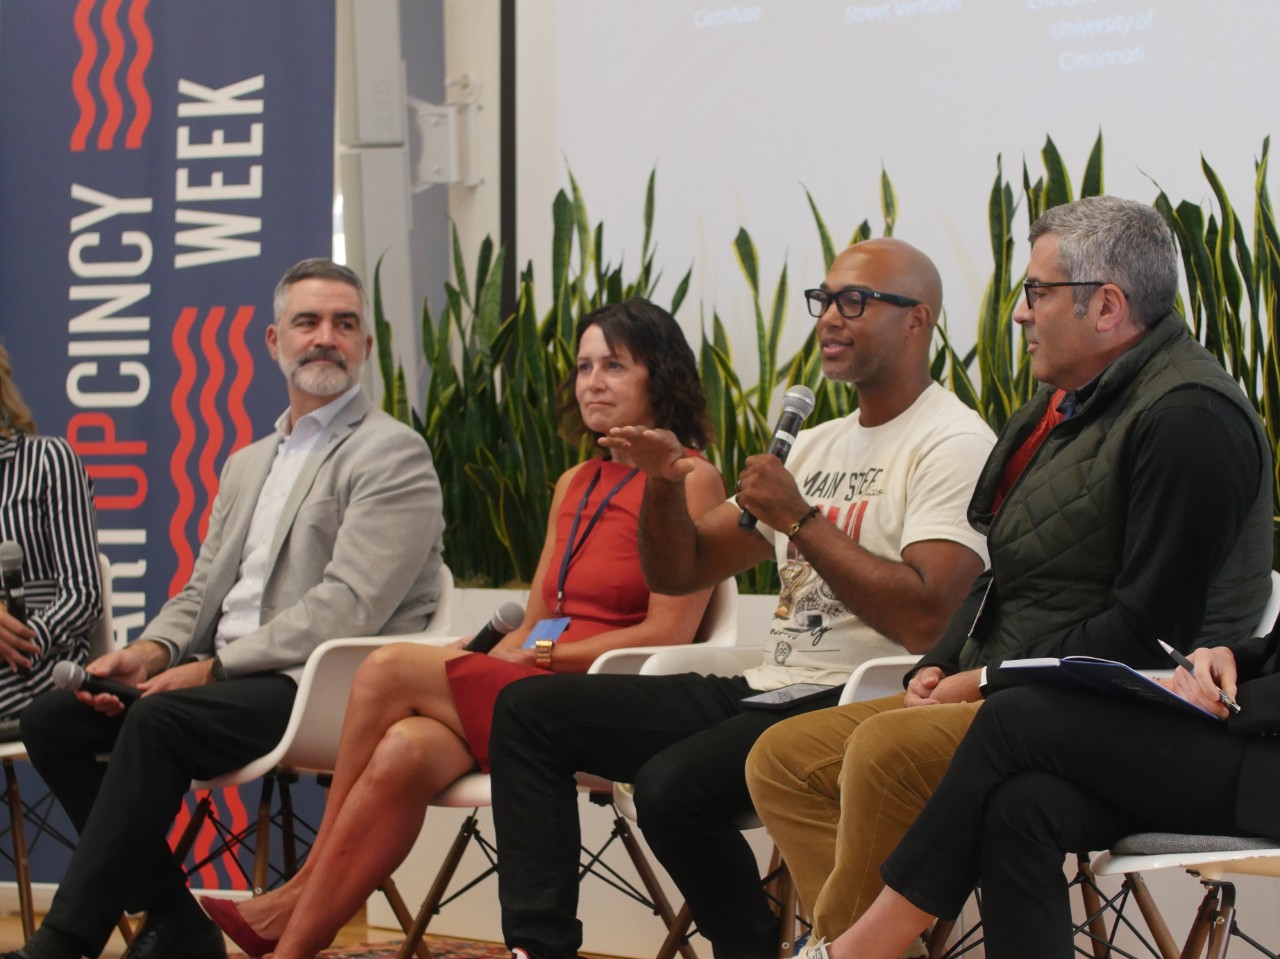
[
  {"x": 72, "y": 677},
  {"x": 15, "y": 599},
  {"x": 508, "y": 617},
  {"x": 796, "y": 407}
]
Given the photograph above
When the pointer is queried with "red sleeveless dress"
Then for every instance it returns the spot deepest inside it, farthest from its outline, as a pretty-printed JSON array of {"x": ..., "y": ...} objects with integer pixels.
[{"x": 604, "y": 590}]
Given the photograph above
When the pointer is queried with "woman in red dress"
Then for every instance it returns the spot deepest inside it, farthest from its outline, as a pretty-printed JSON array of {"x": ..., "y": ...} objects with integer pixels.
[{"x": 418, "y": 717}]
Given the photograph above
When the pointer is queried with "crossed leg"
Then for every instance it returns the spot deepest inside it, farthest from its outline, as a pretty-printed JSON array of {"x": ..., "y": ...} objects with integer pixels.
[{"x": 402, "y": 744}]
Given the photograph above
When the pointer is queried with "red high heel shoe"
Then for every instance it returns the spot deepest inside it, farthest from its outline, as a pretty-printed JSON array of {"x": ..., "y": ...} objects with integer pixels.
[{"x": 227, "y": 917}]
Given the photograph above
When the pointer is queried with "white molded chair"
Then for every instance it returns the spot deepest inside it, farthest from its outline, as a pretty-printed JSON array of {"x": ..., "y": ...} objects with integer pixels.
[
  {"x": 309, "y": 743},
  {"x": 101, "y": 642},
  {"x": 716, "y": 634}
]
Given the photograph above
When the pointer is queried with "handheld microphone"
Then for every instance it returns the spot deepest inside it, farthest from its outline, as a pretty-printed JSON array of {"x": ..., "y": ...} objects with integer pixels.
[
  {"x": 15, "y": 598},
  {"x": 72, "y": 677},
  {"x": 508, "y": 616},
  {"x": 797, "y": 404}
]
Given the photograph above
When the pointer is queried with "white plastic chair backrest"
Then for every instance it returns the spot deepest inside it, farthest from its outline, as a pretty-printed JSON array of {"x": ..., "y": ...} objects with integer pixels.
[
  {"x": 1272, "y": 610},
  {"x": 719, "y": 626},
  {"x": 876, "y": 678},
  {"x": 442, "y": 619},
  {"x": 103, "y": 639},
  {"x": 310, "y": 740}
]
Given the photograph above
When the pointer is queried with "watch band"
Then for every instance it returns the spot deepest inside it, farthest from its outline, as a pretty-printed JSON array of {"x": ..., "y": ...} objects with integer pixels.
[
  {"x": 542, "y": 653},
  {"x": 217, "y": 670}
]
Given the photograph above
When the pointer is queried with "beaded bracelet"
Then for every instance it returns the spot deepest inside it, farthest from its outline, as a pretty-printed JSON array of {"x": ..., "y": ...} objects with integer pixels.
[{"x": 795, "y": 527}]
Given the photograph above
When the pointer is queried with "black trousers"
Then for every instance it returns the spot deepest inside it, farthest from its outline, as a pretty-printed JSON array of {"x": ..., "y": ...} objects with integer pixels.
[
  {"x": 1045, "y": 772},
  {"x": 123, "y": 808},
  {"x": 683, "y": 741}
]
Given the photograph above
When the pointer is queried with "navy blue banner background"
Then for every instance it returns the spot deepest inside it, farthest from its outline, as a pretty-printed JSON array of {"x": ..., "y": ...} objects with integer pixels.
[{"x": 162, "y": 164}]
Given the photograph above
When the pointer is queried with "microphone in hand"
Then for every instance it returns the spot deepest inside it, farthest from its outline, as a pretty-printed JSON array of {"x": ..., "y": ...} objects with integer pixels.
[
  {"x": 15, "y": 599},
  {"x": 797, "y": 404},
  {"x": 508, "y": 616},
  {"x": 73, "y": 677}
]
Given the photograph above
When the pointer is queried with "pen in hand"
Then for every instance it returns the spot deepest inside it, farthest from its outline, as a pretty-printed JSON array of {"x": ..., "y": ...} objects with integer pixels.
[{"x": 1185, "y": 663}]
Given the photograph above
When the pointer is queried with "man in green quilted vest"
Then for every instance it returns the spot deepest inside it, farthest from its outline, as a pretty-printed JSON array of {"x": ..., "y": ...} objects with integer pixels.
[{"x": 1130, "y": 501}]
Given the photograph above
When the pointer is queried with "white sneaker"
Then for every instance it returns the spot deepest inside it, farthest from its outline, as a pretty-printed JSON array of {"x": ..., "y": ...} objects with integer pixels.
[
  {"x": 916, "y": 950},
  {"x": 814, "y": 949}
]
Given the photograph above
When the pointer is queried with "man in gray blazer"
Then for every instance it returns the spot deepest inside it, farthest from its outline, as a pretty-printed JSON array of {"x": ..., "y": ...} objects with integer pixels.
[{"x": 329, "y": 527}]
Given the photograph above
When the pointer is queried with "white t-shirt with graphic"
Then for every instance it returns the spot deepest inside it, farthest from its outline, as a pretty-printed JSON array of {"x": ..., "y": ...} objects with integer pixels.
[{"x": 886, "y": 487}]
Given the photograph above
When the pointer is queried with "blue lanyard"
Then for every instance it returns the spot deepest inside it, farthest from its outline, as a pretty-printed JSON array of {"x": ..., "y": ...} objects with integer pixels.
[{"x": 574, "y": 546}]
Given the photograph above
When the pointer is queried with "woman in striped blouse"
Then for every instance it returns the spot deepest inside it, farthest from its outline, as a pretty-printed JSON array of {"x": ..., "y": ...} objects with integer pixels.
[{"x": 46, "y": 507}]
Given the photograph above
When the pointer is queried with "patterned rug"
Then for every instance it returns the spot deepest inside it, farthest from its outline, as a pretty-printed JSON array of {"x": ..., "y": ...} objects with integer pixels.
[{"x": 441, "y": 948}]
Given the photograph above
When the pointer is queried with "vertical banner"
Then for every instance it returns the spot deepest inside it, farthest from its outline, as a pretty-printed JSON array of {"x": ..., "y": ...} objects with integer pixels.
[{"x": 162, "y": 164}]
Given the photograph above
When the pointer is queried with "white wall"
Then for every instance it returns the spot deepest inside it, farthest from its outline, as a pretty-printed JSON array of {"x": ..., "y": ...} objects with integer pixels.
[{"x": 742, "y": 105}]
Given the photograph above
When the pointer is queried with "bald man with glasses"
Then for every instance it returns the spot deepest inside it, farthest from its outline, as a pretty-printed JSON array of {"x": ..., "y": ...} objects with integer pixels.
[
  {"x": 866, "y": 522},
  {"x": 1128, "y": 502}
]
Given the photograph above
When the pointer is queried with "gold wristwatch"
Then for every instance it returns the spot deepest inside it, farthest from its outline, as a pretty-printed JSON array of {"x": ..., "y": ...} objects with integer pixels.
[{"x": 542, "y": 653}]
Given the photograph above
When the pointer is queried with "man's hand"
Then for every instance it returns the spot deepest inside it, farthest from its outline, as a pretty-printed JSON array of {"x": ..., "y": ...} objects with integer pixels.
[
  {"x": 923, "y": 683},
  {"x": 657, "y": 452},
  {"x": 1215, "y": 670},
  {"x": 199, "y": 673},
  {"x": 16, "y": 646},
  {"x": 931, "y": 686},
  {"x": 769, "y": 492},
  {"x": 129, "y": 666}
]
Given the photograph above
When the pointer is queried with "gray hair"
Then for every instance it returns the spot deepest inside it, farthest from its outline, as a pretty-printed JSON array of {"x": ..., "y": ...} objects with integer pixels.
[
  {"x": 1117, "y": 241},
  {"x": 317, "y": 268}
]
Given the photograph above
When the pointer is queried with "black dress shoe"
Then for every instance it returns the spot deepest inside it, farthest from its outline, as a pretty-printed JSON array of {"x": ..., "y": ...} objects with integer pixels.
[{"x": 192, "y": 938}]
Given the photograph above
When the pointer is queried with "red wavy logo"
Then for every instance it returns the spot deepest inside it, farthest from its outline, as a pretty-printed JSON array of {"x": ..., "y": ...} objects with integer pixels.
[
  {"x": 209, "y": 413},
  {"x": 183, "y": 553},
  {"x": 92, "y": 82},
  {"x": 215, "y": 410}
]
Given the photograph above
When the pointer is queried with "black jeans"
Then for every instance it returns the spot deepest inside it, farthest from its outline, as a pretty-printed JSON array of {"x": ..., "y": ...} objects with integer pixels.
[
  {"x": 683, "y": 741},
  {"x": 122, "y": 809},
  {"x": 1045, "y": 772}
]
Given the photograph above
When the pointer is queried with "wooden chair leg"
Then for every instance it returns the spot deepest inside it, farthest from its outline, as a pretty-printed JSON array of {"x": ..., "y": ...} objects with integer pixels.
[
  {"x": 935, "y": 941},
  {"x": 262, "y": 836},
  {"x": 653, "y": 888},
  {"x": 288, "y": 834},
  {"x": 204, "y": 806},
  {"x": 1158, "y": 928},
  {"x": 413, "y": 942},
  {"x": 1092, "y": 907},
  {"x": 785, "y": 890},
  {"x": 1201, "y": 927},
  {"x": 1221, "y": 921},
  {"x": 677, "y": 934},
  {"x": 21, "y": 862}
]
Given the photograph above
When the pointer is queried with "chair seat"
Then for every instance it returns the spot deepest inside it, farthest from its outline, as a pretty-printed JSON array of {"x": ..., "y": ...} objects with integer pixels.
[
  {"x": 1210, "y": 856},
  {"x": 473, "y": 789},
  {"x": 1162, "y": 843}
]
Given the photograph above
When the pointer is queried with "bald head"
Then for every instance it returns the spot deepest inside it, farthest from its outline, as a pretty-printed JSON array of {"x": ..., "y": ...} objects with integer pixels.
[
  {"x": 902, "y": 269},
  {"x": 879, "y": 341}
]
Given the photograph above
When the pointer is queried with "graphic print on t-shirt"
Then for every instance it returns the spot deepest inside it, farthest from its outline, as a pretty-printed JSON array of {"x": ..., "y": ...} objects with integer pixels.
[{"x": 807, "y": 606}]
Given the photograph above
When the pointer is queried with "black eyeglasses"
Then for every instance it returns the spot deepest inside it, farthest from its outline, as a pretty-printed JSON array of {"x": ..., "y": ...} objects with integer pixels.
[
  {"x": 851, "y": 301},
  {"x": 1031, "y": 286}
]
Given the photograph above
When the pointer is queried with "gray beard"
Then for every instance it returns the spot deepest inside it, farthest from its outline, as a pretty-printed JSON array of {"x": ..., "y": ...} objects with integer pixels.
[{"x": 323, "y": 380}]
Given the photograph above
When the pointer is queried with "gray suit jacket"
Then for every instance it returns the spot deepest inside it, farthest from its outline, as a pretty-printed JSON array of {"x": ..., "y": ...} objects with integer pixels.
[{"x": 357, "y": 550}]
